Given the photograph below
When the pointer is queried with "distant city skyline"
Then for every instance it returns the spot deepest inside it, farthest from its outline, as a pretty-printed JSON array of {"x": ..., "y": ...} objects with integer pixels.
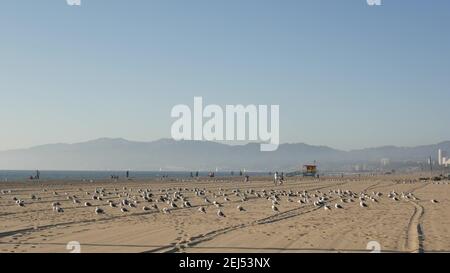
[{"x": 345, "y": 74}]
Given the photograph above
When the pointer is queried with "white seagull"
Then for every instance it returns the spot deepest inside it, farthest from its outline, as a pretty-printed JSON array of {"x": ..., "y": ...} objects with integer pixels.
[
  {"x": 220, "y": 213},
  {"x": 275, "y": 209}
]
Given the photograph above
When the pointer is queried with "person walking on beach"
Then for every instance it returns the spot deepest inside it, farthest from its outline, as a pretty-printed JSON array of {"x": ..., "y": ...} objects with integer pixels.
[
  {"x": 275, "y": 178},
  {"x": 247, "y": 179}
]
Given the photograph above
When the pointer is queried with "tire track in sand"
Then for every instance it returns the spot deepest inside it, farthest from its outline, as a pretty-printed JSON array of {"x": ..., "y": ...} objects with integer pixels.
[{"x": 414, "y": 235}]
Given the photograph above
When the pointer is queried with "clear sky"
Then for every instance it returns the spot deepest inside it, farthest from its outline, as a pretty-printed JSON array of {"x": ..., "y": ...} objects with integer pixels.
[{"x": 345, "y": 74}]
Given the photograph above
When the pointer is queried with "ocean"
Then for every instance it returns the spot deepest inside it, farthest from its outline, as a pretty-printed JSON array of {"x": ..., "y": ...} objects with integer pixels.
[{"x": 24, "y": 175}]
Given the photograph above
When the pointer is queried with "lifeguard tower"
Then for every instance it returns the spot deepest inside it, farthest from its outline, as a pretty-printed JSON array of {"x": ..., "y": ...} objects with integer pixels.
[{"x": 310, "y": 170}]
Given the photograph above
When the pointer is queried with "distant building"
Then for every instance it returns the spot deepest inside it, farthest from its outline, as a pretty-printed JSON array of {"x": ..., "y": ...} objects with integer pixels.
[
  {"x": 385, "y": 162},
  {"x": 360, "y": 168},
  {"x": 442, "y": 158}
]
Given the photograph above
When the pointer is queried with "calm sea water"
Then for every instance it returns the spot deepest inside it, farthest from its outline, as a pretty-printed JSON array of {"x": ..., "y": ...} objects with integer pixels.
[{"x": 10, "y": 176}]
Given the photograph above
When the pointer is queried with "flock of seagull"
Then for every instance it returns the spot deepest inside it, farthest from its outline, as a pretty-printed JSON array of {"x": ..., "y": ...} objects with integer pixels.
[{"x": 167, "y": 200}]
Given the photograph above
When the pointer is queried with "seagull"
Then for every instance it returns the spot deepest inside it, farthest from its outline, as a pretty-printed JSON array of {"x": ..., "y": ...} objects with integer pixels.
[
  {"x": 275, "y": 209},
  {"x": 165, "y": 210},
  {"x": 99, "y": 210},
  {"x": 123, "y": 210},
  {"x": 145, "y": 208},
  {"x": 362, "y": 204},
  {"x": 327, "y": 207},
  {"x": 187, "y": 204},
  {"x": 434, "y": 201},
  {"x": 338, "y": 206},
  {"x": 87, "y": 204},
  {"x": 220, "y": 213},
  {"x": 239, "y": 208},
  {"x": 202, "y": 210}
]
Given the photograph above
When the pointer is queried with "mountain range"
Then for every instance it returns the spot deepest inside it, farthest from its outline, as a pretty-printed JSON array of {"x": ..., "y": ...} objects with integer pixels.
[{"x": 171, "y": 155}]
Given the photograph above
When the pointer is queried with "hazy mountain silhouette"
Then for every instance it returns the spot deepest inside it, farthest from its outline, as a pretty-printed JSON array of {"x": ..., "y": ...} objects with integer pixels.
[{"x": 121, "y": 154}]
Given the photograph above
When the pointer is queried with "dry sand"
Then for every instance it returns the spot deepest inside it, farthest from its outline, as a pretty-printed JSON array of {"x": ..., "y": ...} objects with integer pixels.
[{"x": 406, "y": 225}]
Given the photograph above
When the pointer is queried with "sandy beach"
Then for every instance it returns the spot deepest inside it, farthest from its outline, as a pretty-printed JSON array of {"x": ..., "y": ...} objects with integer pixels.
[{"x": 398, "y": 214}]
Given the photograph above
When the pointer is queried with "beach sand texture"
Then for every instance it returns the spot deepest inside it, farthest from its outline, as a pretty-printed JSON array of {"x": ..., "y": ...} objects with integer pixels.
[{"x": 411, "y": 224}]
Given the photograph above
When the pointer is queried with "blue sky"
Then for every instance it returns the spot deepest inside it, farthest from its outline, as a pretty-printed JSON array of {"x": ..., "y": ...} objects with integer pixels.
[{"x": 345, "y": 74}]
